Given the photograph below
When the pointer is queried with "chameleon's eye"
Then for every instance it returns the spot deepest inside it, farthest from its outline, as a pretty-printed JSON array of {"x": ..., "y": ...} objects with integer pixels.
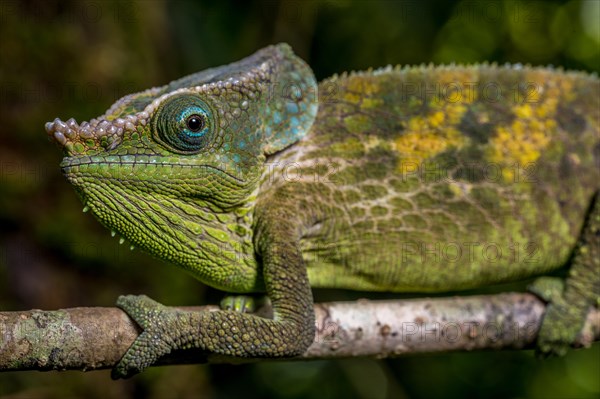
[
  {"x": 184, "y": 123},
  {"x": 195, "y": 123}
]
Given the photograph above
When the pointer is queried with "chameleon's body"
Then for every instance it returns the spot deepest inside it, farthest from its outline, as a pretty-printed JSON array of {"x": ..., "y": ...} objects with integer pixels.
[{"x": 414, "y": 179}]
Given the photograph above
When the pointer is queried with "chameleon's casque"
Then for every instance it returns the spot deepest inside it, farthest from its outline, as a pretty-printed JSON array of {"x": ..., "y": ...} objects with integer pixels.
[{"x": 399, "y": 179}]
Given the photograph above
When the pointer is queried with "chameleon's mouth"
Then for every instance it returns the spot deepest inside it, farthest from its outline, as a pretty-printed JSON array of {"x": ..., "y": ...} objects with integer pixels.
[{"x": 129, "y": 167}]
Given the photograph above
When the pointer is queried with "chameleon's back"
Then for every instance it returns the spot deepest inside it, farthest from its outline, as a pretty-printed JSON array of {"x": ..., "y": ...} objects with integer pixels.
[{"x": 443, "y": 178}]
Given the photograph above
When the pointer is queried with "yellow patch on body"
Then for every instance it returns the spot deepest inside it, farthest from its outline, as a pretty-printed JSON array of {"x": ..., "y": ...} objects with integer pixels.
[
  {"x": 361, "y": 90},
  {"x": 530, "y": 133},
  {"x": 427, "y": 136}
]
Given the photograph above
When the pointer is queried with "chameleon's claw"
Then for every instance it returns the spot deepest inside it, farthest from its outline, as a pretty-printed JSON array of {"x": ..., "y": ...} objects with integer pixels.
[{"x": 156, "y": 320}]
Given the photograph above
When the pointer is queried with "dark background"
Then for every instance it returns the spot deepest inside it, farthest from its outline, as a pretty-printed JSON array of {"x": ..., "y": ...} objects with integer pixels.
[{"x": 74, "y": 59}]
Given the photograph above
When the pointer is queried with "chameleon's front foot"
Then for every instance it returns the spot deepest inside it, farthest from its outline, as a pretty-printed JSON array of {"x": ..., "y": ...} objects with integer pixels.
[{"x": 158, "y": 323}]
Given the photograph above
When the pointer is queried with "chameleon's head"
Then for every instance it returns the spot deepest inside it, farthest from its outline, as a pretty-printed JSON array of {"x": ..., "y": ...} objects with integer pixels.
[
  {"x": 200, "y": 140},
  {"x": 205, "y": 135}
]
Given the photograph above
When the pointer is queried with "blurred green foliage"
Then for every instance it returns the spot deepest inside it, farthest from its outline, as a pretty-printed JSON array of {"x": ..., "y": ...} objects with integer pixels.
[{"x": 74, "y": 58}]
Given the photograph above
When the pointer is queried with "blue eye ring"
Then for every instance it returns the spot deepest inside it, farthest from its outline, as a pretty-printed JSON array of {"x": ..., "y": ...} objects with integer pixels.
[
  {"x": 194, "y": 121},
  {"x": 184, "y": 123}
]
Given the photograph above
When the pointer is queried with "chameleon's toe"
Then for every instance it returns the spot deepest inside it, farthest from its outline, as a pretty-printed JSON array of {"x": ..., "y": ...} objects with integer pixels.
[
  {"x": 559, "y": 330},
  {"x": 562, "y": 322},
  {"x": 239, "y": 303},
  {"x": 156, "y": 320}
]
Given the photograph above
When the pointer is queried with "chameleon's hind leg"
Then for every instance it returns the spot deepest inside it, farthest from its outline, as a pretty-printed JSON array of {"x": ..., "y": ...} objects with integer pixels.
[{"x": 570, "y": 302}]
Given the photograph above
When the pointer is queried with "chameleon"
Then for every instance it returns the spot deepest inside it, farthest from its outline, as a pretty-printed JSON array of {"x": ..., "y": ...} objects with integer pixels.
[{"x": 254, "y": 178}]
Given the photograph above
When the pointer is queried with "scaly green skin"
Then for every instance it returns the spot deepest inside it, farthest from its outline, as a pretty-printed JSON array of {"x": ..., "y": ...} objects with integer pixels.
[{"x": 413, "y": 179}]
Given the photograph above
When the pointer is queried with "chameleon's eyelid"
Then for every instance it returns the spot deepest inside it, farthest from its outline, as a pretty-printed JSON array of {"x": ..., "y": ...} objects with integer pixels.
[
  {"x": 169, "y": 129},
  {"x": 193, "y": 110}
]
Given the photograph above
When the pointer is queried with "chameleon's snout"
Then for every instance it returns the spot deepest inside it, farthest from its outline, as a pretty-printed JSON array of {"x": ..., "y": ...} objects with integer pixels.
[
  {"x": 93, "y": 135},
  {"x": 61, "y": 132}
]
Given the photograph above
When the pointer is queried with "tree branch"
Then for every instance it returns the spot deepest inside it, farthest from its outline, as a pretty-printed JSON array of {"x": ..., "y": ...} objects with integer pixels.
[{"x": 96, "y": 338}]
